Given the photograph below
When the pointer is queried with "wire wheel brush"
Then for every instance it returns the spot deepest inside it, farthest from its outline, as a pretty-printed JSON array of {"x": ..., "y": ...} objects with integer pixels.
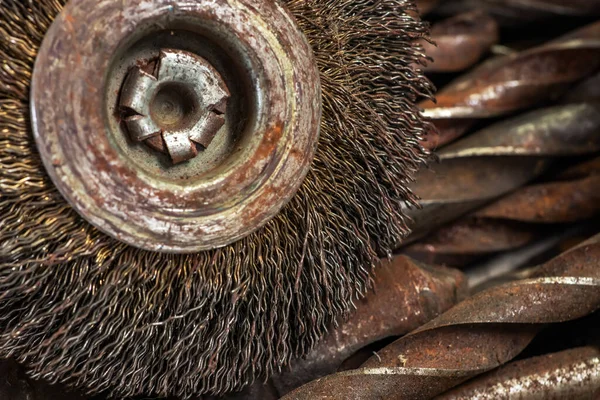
[{"x": 192, "y": 192}]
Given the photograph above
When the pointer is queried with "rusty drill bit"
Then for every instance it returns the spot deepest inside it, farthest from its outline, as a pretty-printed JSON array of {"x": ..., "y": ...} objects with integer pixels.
[
  {"x": 479, "y": 334},
  {"x": 521, "y": 80},
  {"x": 519, "y": 12},
  {"x": 568, "y": 198},
  {"x": 450, "y": 129},
  {"x": 499, "y": 159},
  {"x": 445, "y": 131},
  {"x": 573, "y": 373},
  {"x": 559, "y": 7},
  {"x": 516, "y": 219},
  {"x": 425, "y": 291},
  {"x": 460, "y": 41}
]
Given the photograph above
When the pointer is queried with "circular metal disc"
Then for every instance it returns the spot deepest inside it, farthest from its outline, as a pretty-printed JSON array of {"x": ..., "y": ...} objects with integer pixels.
[{"x": 248, "y": 172}]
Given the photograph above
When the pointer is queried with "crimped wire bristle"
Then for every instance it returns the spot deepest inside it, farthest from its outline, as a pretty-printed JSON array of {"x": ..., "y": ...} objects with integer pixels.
[{"x": 80, "y": 307}]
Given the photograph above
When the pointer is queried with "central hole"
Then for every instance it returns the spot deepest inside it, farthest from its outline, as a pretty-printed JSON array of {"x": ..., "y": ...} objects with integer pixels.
[{"x": 174, "y": 107}]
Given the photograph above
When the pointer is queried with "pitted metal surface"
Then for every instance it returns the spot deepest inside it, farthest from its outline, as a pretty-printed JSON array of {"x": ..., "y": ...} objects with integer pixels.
[{"x": 517, "y": 81}]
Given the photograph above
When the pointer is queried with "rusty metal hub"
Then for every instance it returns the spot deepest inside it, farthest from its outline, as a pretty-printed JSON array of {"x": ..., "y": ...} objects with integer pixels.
[{"x": 181, "y": 127}]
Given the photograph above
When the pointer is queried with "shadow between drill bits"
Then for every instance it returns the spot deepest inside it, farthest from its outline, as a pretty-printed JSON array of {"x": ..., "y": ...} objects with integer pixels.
[{"x": 516, "y": 12}]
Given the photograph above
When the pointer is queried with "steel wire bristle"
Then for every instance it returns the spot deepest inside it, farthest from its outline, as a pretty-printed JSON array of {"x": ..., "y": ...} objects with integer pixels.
[{"x": 79, "y": 307}]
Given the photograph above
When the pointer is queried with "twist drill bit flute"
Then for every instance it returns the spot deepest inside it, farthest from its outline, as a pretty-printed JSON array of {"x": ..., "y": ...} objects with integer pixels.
[
  {"x": 500, "y": 158},
  {"x": 426, "y": 291},
  {"x": 510, "y": 83},
  {"x": 460, "y": 41},
  {"x": 515, "y": 219},
  {"x": 477, "y": 335},
  {"x": 573, "y": 373}
]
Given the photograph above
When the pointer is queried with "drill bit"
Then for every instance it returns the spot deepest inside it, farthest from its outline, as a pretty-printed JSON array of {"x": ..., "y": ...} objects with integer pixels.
[
  {"x": 425, "y": 290},
  {"x": 515, "y": 82},
  {"x": 477, "y": 335},
  {"x": 460, "y": 41},
  {"x": 516, "y": 219},
  {"x": 573, "y": 373},
  {"x": 450, "y": 128},
  {"x": 445, "y": 131},
  {"x": 499, "y": 159},
  {"x": 569, "y": 197}
]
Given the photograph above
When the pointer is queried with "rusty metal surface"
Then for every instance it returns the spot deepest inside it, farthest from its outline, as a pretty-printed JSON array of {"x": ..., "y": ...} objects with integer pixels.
[
  {"x": 515, "y": 219},
  {"x": 569, "y": 374},
  {"x": 466, "y": 240},
  {"x": 521, "y": 80},
  {"x": 136, "y": 203},
  {"x": 479, "y": 334},
  {"x": 446, "y": 131},
  {"x": 551, "y": 202},
  {"x": 555, "y": 130},
  {"x": 507, "y": 265},
  {"x": 407, "y": 294},
  {"x": 518, "y": 13},
  {"x": 500, "y": 158},
  {"x": 460, "y": 42},
  {"x": 525, "y": 157}
]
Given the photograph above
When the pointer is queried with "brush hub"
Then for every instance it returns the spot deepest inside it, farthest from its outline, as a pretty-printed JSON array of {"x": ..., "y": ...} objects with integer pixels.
[
  {"x": 176, "y": 126},
  {"x": 175, "y": 103}
]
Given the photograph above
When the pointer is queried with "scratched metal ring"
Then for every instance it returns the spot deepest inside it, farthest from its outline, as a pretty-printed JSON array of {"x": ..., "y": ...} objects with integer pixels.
[{"x": 172, "y": 125}]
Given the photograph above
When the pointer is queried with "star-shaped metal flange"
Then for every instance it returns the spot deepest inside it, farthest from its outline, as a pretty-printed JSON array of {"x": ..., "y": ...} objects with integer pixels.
[{"x": 174, "y": 103}]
